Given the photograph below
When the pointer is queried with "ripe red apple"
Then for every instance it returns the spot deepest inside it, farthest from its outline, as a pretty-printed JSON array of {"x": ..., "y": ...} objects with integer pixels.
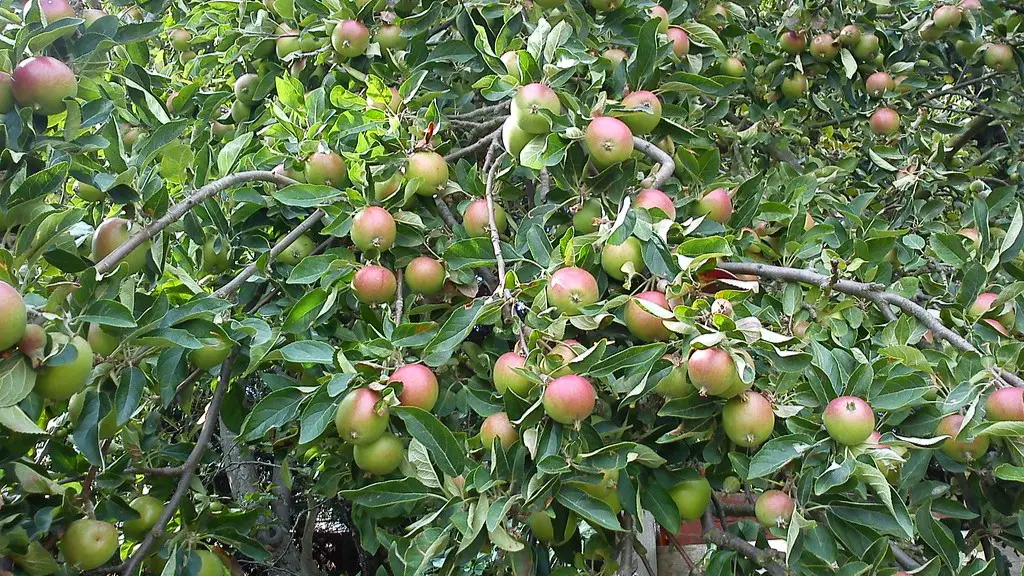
[
  {"x": 100, "y": 341},
  {"x": 716, "y": 205},
  {"x": 42, "y": 83},
  {"x": 608, "y": 141},
  {"x": 529, "y": 104},
  {"x": 748, "y": 419},
  {"x": 998, "y": 57},
  {"x": 513, "y": 137},
  {"x": 656, "y": 202},
  {"x": 1005, "y": 405},
  {"x": 211, "y": 354},
  {"x": 675, "y": 384},
  {"x": 361, "y": 417},
  {"x": 878, "y": 84},
  {"x": 947, "y": 17},
  {"x": 734, "y": 66},
  {"x": 795, "y": 86},
  {"x": 866, "y": 46},
  {"x": 643, "y": 324},
  {"x": 615, "y": 256},
  {"x": 33, "y": 341},
  {"x": 850, "y": 35},
  {"x": 569, "y": 399},
  {"x": 149, "y": 509},
  {"x": 326, "y": 168},
  {"x": 885, "y": 121},
  {"x": 692, "y": 497},
  {"x": 572, "y": 288},
  {"x": 792, "y": 42},
  {"x": 680, "y": 42},
  {"x": 586, "y": 219},
  {"x": 645, "y": 119},
  {"x": 374, "y": 284},
  {"x": 505, "y": 378},
  {"x": 373, "y": 228},
  {"x": 983, "y": 305},
  {"x": 996, "y": 325},
  {"x": 302, "y": 246},
  {"x": 477, "y": 221},
  {"x": 381, "y": 456},
  {"x": 774, "y": 508},
  {"x": 498, "y": 426},
  {"x": 958, "y": 450},
  {"x": 712, "y": 371},
  {"x": 430, "y": 169},
  {"x": 110, "y": 234},
  {"x": 13, "y": 316},
  {"x": 62, "y": 381},
  {"x": 53, "y": 9},
  {"x": 661, "y": 14},
  {"x": 88, "y": 544},
  {"x": 824, "y": 47},
  {"x": 390, "y": 37},
  {"x": 350, "y": 38},
  {"x": 848, "y": 420},
  {"x": 419, "y": 386},
  {"x": 424, "y": 275}
]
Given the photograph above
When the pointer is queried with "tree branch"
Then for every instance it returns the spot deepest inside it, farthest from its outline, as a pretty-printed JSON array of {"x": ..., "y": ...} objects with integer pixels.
[
  {"x": 974, "y": 127},
  {"x": 667, "y": 166},
  {"x": 308, "y": 531},
  {"x": 398, "y": 298},
  {"x": 493, "y": 225},
  {"x": 763, "y": 558},
  {"x": 906, "y": 561},
  {"x": 472, "y": 148},
  {"x": 871, "y": 292},
  {"x": 484, "y": 111},
  {"x": 545, "y": 185},
  {"x": 282, "y": 245},
  {"x": 179, "y": 210},
  {"x": 452, "y": 221}
]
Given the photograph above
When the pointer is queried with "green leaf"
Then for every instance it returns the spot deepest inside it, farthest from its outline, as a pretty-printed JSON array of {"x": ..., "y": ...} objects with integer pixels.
[
  {"x": 704, "y": 36},
  {"x": 228, "y": 155},
  {"x": 309, "y": 351},
  {"x": 109, "y": 313},
  {"x": 657, "y": 501},
  {"x": 12, "y": 418},
  {"x": 446, "y": 451},
  {"x": 316, "y": 416},
  {"x": 158, "y": 140},
  {"x": 938, "y": 537},
  {"x": 274, "y": 411},
  {"x": 876, "y": 480},
  {"x": 909, "y": 356},
  {"x": 16, "y": 380},
  {"x": 592, "y": 509},
  {"x": 778, "y": 452},
  {"x": 86, "y": 431},
  {"x": 633, "y": 359},
  {"x": 44, "y": 182},
  {"x": 455, "y": 329},
  {"x": 307, "y": 195},
  {"x": 129, "y": 393},
  {"x": 388, "y": 493},
  {"x": 36, "y": 561},
  {"x": 1010, "y": 473}
]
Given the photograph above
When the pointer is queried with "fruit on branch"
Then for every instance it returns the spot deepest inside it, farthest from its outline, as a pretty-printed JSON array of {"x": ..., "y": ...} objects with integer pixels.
[
  {"x": 824, "y": 47},
  {"x": 53, "y": 9},
  {"x": 216, "y": 254},
  {"x": 569, "y": 399},
  {"x": 381, "y": 456},
  {"x": 373, "y": 228},
  {"x": 712, "y": 371},
  {"x": 425, "y": 276},
  {"x": 648, "y": 114},
  {"x": 529, "y": 107},
  {"x": 970, "y": 5},
  {"x": 430, "y": 171},
  {"x": 572, "y": 288},
  {"x": 605, "y": 490},
  {"x": 211, "y": 564},
  {"x": 32, "y": 341},
  {"x": 960, "y": 450},
  {"x": 13, "y": 316},
  {"x": 287, "y": 41},
  {"x": 674, "y": 384},
  {"x": 774, "y": 508},
  {"x": 302, "y": 246},
  {"x": 878, "y": 84},
  {"x": 513, "y": 137},
  {"x": 62, "y": 381},
  {"x": 722, "y": 306},
  {"x": 211, "y": 354},
  {"x": 996, "y": 325},
  {"x": 657, "y": 203},
  {"x": 585, "y": 220},
  {"x": 240, "y": 112},
  {"x": 792, "y": 42},
  {"x": 382, "y": 190},
  {"x": 101, "y": 342},
  {"x": 326, "y": 168},
  {"x": 608, "y": 141},
  {"x": 795, "y": 86},
  {"x": 390, "y": 37},
  {"x": 361, "y": 417},
  {"x": 130, "y": 134},
  {"x": 999, "y": 57},
  {"x": 181, "y": 39},
  {"x": 615, "y": 256},
  {"x": 983, "y": 305},
  {"x": 748, "y": 420},
  {"x": 350, "y": 38},
  {"x": 419, "y": 386},
  {"x": 498, "y": 426},
  {"x": 110, "y": 234},
  {"x": 565, "y": 352},
  {"x": 89, "y": 544},
  {"x": 605, "y": 5},
  {"x": 850, "y": 35},
  {"x": 929, "y": 32},
  {"x": 734, "y": 66},
  {"x": 661, "y": 14},
  {"x": 1005, "y": 405},
  {"x": 506, "y": 378},
  {"x": 641, "y": 323},
  {"x": 245, "y": 88},
  {"x": 374, "y": 284},
  {"x": 149, "y": 509},
  {"x": 88, "y": 192},
  {"x": 543, "y": 528},
  {"x": 692, "y": 497},
  {"x": 477, "y": 221},
  {"x": 716, "y": 205},
  {"x": 680, "y": 42},
  {"x": 42, "y": 83},
  {"x": 885, "y": 121},
  {"x": 947, "y": 17},
  {"x": 866, "y": 46},
  {"x": 848, "y": 420}
]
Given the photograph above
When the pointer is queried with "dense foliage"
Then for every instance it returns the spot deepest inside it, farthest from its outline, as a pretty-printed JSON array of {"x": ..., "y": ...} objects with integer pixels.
[{"x": 495, "y": 287}]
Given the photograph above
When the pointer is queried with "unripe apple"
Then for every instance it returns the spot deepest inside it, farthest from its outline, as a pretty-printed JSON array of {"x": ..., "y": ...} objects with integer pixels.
[
  {"x": 381, "y": 456},
  {"x": 424, "y": 275},
  {"x": 848, "y": 420},
  {"x": 644, "y": 325},
  {"x": 722, "y": 306},
  {"x": 513, "y": 137},
  {"x": 773, "y": 508},
  {"x": 947, "y": 17},
  {"x": 585, "y": 220},
  {"x": 884, "y": 121},
  {"x": 615, "y": 256},
  {"x": 498, "y": 426},
  {"x": 245, "y": 88},
  {"x": 240, "y": 111},
  {"x": 390, "y": 37},
  {"x": 999, "y": 57},
  {"x": 1005, "y": 405},
  {"x": 477, "y": 221},
  {"x": 384, "y": 190},
  {"x": 648, "y": 115},
  {"x": 957, "y": 450},
  {"x": 505, "y": 378},
  {"x": 529, "y": 107},
  {"x": 549, "y": 4},
  {"x": 211, "y": 354},
  {"x": 878, "y": 84},
  {"x": 350, "y": 38},
  {"x": 88, "y": 544},
  {"x": 302, "y": 246},
  {"x": 326, "y": 168},
  {"x": 866, "y": 46},
  {"x": 605, "y": 5},
  {"x": 566, "y": 350},
  {"x": 792, "y": 42},
  {"x": 675, "y": 384},
  {"x": 569, "y": 399},
  {"x": 287, "y": 42},
  {"x": 42, "y": 83},
  {"x": 657, "y": 203},
  {"x": 100, "y": 341},
  {"x": 734, "y": 66},
  {"x": 149, "y": 509},
  {"x": 661, "y": 14},
  {"x": 432, "y": 171},
  {"x": 616, "y": 56},
  {"x": 824, "y": 47},
  {"x": 419, "y": 386},
  {"x": 181, "y": 39},
  {"x": 110, "y": 234},
  {"x": 62, "y": 381},
  {"x": 680, "y": 42},
  {"x": 929, "y": 32},
  {"x": 572, "y": 288},
  {"x": 373, "y": 228},
  {"x": 748, "y": 420},
  {"x": 712, "y": 371},
  {"x": 88, "y": 192},
  {"x": 361, "y": 417},
  {"x": 608, "y": 141},
  {"x": 692, "y": 497},
  {"x": 850, "y": 35},
  {"x": 795, "y": 86},
  {"x": 374, "y": 284},
  {"x": 13, "y": 316},
  {"x": 716, "y": 205},
  {"x": 32, "y": 342}
]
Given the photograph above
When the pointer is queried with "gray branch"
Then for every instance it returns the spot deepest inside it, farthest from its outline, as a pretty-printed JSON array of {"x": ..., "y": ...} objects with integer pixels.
[{"x": 667, "y": 166}]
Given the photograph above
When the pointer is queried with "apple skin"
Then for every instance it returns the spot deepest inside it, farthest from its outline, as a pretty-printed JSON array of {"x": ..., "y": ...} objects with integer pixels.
[
  {"x": 110, "y": 234},
  {"x": 63, "y": 381},
  {"x": 211, "y": 355},
  {"x": 292, "y": 255},
  {"x": 692, "y": 498},
  {"x": 149, "y": 509},
  {"x": 88, "y": 544},
  {"x": 13, "y": 316}
]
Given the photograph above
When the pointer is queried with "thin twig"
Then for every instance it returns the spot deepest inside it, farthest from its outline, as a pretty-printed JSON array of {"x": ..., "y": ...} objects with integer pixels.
[
  {"x": 274, "y": 290},
  {"x": 179, "y": 210},
  {"x": 399, "y": 302},
  {"x": 492, "y": 223},
  {"x": 667, "y": 166},
  {"x": 452, "y": 222},
  {"x": 472, "y": 148},
  {"x": 484, "y": 111},
  {"x": 906, "y": 561},
  {"x": 974, "y": 127},
  {"x": 545, "y": 185}
]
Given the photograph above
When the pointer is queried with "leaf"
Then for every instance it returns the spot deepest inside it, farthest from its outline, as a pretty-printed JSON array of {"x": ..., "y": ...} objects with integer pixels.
[
  {"x": 109, "y": 313},
  {"x": 447, "y": 452},
  {"x": 307, "y": 195},
  {"x": 160, "y": 138},
  {"x": 17, "y": 380},
  {"x": 938, "y": 537},
  {"x": 849, "y": 63},
  {"x": 309, "y": 351},
  {"x": 36, "y": 561},
  {"x": 658, "y": 502},
  {"x": 454, "y": 330},
  {"x": 86, "y": 431},
  {"x": 274, "y": 411},
  {"x": 129, "y": 393},
  {"x": 592, "y": 509},
  {"x": 909, "y": 356},
  {"x": 777, "y": 453},
  {"x": 705, "y": 36},
  {"x": 388, "y": 493},
  {"x": 35, "y": 483},
  {"x": 631, "y": 359},
  {"x": 876, "y": 480},
  {"x": 12, "y": 418},
  {"x": 316, "y": 416},
  {"x": 228, "y": 155}
]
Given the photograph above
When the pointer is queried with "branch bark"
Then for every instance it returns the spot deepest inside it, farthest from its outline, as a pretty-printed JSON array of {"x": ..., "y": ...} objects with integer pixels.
[
  {"x": 667, "y": 166},
  {"x": 484, "y": 111},
  {"x": 473, "y": 148},
  {"x": 178, "y": 211},
  {"x": 452, "y": 221},
  {"x": 974, "y": 127},
  {"x": 763, "y": 558},
  {"x": 493, "y": 225}
]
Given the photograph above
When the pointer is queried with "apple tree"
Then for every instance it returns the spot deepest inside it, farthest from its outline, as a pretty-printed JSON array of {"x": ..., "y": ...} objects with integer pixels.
[{"x": 310, "y": 287}]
